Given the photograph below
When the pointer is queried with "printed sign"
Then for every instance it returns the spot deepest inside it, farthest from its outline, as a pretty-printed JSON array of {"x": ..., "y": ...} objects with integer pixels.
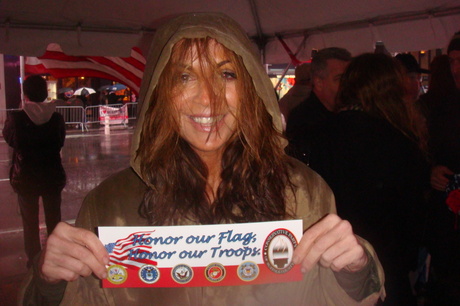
[
  {"x": 201, "y": 255},
  {"x": 115, "y": 115}
]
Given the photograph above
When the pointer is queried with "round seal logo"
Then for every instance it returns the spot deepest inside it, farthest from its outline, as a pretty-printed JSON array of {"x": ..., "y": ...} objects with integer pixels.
[
  {"x": 149, "y": 274},
  {"x": 117, "y": 274},
  {"x": 248, "y": 271},
  {"x": 278, "y": 250},
  {"x": 215, "y": 272},
  {"x": 182, "y": 274}
]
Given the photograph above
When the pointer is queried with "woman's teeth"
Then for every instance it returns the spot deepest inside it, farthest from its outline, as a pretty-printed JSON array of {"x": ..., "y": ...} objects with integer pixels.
[{"x": 207, "y": 120}]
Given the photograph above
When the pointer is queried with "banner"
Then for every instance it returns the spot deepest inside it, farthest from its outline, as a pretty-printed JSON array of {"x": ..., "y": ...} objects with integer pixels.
[
  {"x": 115, "y": 115},
  {"x": 202, "y": 255}
]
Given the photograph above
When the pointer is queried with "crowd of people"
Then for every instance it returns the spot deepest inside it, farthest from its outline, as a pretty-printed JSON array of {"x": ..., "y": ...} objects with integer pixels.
[
  {"x": 354, "y": 152},
  {"x": 389, "y": 152}
]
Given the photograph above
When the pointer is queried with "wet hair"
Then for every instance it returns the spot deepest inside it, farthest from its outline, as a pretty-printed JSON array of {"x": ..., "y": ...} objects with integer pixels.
[
  {"x": 35, "y": 88},
  {"x": 374, "y": 83},
  {"x": 319, "y": 61},
  {"x": 254, "y": 173}
]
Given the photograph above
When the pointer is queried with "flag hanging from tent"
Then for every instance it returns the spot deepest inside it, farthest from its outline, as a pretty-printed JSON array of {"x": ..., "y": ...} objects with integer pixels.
[{"x": 125, "y": 70}]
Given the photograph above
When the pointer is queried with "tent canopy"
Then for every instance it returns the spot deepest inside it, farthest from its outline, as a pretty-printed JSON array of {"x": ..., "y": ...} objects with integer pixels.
[{"x": 112, "y": 28}]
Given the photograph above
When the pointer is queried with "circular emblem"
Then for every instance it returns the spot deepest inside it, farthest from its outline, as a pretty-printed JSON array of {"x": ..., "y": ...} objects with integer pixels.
[
  {"x": 248, "y": 271},
  {"x": 215, "y": 272},
  {"x": 117, "y": 274},
  {"x": 182, "y": 274},
  {"x": 149, "y": 274},
  {"x": 278, "y": 250}
]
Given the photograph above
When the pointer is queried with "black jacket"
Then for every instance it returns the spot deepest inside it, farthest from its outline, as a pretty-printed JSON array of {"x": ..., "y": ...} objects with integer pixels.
[{"x": 36, "y": 166}]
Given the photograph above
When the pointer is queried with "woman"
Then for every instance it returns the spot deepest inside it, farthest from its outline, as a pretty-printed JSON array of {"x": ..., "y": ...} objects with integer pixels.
[
  {"x": 208, "y": 149},
  {"x": 370, "y": 157}
]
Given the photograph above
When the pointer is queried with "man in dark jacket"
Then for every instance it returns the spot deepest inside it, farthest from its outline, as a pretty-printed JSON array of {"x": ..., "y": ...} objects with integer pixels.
[
  {"x": 327, "y": 67},
  {"x": 36, "y": 134}
]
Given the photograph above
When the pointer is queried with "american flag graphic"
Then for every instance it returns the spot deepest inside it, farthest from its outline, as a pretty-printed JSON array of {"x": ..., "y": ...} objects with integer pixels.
[
  {"x": 125, "y": 70},
  {"x": 119, "y": 251}
]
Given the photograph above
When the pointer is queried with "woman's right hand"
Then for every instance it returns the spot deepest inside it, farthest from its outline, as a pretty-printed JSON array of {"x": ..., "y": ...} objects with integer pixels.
[{"x": 71, "y": 252}]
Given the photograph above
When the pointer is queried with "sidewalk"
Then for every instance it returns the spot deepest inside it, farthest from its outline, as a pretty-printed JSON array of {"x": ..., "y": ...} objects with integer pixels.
[{"x": 88, "y": 159}]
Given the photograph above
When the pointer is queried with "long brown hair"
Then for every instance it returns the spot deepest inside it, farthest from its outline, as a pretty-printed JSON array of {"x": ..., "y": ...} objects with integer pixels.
[
  {"x": 374, "y": 82},
  {"x": 254, "y": 167}
]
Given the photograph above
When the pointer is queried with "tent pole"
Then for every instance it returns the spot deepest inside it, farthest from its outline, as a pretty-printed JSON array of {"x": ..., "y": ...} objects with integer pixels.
[
  {"x": 289, "y": 65},
  {"x": 22, "y": 75}
]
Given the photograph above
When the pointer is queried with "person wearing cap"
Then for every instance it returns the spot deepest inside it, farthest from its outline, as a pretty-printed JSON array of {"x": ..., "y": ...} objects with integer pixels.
[{"x": 413, "y": 73}]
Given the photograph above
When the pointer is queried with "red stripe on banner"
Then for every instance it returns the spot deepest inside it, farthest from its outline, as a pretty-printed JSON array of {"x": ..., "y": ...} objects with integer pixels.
[
  {"x": 200, "y": 280},
  {"x": 108, "y": 63}
]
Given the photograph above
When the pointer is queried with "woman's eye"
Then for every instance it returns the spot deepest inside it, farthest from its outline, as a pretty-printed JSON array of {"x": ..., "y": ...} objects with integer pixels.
[
  {"x": 185, "y": 77},
  {"x": 229, "y": 75}
]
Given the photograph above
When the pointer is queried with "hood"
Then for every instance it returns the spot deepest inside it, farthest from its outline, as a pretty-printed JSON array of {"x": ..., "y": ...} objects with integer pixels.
[
  {"x": 39, "y": 113},
  {"x": 200, "y": 25}
]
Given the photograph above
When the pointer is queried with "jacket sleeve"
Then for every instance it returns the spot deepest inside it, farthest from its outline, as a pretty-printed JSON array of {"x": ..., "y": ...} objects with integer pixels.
[
  {"x": 62, "y": 131},
  {"x": 313, "y": 200},
  {"x": 9, "y": 130}
]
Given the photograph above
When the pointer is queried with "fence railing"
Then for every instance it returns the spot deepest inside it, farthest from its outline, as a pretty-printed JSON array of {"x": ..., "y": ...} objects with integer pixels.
[{"x": 90, "y": 116}]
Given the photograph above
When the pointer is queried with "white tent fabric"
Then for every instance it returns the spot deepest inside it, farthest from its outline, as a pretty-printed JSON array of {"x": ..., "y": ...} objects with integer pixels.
[{"x": 112, "y": 28}]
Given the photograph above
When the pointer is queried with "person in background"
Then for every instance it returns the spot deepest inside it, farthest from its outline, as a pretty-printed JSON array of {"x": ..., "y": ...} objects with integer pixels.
[
  {"x": 370, "y": 157},
  {"x": 298, "y": 93},
  {"x": 412, "y": 76},
  {"x": 36, "y": 134},
  {"x": 209, "y": 149},
  {"x": 327, "y": 67},
  {"x": 444, "y": 148},
  {"x": 412, "y": 90}
]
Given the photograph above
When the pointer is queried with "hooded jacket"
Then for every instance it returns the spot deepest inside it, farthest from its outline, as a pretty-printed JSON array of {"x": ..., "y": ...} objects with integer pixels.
[
  {"x": 115, "y": 202},
  {"x": 36, "y": 134}
]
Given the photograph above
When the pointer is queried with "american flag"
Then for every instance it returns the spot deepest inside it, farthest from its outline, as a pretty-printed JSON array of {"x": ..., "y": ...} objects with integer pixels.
[
  {"x": 125, "y": 70},
  {"x": 119, "y": 251}
]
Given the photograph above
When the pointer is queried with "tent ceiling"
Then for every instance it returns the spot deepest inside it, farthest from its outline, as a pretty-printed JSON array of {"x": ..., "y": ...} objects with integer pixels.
[{"x": 100, "y": 27}]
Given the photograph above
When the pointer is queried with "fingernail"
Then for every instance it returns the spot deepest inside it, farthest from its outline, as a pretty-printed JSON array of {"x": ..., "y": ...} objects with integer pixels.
[
  {"x": 104, "y": 275},
  {"x": 303, "y": 270}
]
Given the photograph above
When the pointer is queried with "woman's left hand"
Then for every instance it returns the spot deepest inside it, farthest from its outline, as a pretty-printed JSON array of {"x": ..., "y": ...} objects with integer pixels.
[{"x": 332, "y": 243}]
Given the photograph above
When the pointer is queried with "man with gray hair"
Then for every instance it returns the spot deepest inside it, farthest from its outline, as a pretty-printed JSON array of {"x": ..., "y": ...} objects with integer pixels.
[{"x": 327, "y": 67}]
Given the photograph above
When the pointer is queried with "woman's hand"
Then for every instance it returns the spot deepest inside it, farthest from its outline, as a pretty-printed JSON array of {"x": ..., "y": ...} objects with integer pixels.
[
  {"x": 330, "y": 242},
  {"x": 72, "y": 252}
]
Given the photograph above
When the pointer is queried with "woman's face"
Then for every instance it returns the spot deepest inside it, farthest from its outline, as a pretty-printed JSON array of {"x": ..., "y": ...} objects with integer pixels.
[{"x": 207, "y": 133}]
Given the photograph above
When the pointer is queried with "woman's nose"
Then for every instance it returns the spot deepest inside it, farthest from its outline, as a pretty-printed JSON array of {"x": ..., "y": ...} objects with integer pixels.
[{"x": 203, "y": 95}]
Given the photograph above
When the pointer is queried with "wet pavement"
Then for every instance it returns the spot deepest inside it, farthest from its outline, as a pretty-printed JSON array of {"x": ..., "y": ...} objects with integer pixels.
[{"x": 88, "y": 159}]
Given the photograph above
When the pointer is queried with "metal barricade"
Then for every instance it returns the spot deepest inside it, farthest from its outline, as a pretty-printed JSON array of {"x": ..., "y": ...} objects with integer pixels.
[
  {"x": 91, "y": 115},
  {"x": 73, "y": 115},
  {"x": 132, "y": 110}
]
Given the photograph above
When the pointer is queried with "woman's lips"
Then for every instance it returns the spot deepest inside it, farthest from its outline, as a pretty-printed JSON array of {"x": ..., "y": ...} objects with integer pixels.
[
  {"x": 206, "y": 120},
  {"x": 207, "y": 123}
]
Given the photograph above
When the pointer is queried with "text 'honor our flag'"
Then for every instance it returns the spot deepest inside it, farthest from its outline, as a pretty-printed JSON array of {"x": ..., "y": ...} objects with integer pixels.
[{"x": 125, "y": 70}]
